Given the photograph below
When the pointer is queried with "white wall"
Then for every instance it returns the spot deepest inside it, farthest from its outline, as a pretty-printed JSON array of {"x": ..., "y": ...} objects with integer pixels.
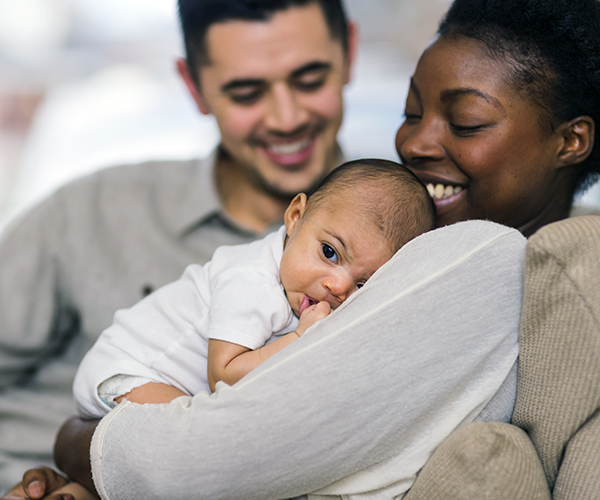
[{"x": 102, "y": 72}]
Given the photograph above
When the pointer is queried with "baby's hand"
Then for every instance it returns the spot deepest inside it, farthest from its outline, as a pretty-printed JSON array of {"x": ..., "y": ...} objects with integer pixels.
[{"x": 311, "y": 315}]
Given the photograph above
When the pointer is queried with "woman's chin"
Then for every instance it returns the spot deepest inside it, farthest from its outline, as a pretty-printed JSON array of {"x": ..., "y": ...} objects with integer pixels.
[{"x": 451, "y": 208}]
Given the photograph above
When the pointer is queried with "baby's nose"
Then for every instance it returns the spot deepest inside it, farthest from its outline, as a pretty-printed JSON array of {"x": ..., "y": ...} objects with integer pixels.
[{"x": 340, "y": 286}]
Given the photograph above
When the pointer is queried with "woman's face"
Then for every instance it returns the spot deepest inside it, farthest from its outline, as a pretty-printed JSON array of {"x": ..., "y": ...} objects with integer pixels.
[{"x": 478, "y": 142}]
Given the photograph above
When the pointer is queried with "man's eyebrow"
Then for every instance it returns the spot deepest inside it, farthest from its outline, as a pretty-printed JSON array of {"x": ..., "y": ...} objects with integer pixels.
[
  {"x": 449, "y": 94},
  {"x": 311, "y": 67},
  {"x": 256, "y": 82},
  {"x": 241, "y": 83}
]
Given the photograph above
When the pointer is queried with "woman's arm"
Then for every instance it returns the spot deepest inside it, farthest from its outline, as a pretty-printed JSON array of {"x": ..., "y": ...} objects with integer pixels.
[
  {"x": 356, "y": 405},
  {"x": 72, "y": 450}
]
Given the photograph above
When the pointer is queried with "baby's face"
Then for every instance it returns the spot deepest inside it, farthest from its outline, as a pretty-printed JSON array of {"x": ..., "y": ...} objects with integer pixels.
[{"x": 330, "y": 253}]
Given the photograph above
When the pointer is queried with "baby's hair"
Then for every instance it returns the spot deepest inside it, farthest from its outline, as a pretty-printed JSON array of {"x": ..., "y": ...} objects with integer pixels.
[
  {"x": 552, "y": 51},
  {"x": 395, "y": 199}
]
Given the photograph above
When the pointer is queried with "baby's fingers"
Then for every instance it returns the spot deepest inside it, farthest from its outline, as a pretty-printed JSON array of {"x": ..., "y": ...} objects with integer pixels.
[
  {"x": 313, "y": 314},
  {"x": 322, "y": 309}
]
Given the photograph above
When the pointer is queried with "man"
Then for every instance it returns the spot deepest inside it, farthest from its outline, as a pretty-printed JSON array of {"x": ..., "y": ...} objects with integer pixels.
[{"x": 273, "y": 78}]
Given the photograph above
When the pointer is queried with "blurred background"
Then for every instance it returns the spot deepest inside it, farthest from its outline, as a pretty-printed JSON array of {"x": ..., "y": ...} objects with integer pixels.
[{"x": 86, "y": 84}]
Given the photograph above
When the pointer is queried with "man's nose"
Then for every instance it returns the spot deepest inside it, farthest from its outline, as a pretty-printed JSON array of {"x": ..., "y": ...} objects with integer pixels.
[
  {"x": 285, "y": 114},
  {"x": 420, "y": 141}
]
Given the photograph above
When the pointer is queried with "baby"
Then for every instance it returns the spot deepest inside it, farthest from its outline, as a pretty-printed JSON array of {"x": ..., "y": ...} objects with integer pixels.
[{"x": 221, "y": 320}]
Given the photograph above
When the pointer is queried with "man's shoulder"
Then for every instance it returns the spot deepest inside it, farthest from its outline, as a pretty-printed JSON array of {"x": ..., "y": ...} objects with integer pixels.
[
  {"x": 162, "y": 193},
  {"x": 164, "y": 185},
  {"x": 158, "y": 172}
]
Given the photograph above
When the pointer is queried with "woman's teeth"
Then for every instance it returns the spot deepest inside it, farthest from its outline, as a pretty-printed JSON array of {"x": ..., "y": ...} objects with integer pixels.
[{"x": 440, "y": 191}]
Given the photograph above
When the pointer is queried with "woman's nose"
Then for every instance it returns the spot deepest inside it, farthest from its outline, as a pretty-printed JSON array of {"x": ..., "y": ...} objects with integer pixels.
[{"x": 418, "y": 142}]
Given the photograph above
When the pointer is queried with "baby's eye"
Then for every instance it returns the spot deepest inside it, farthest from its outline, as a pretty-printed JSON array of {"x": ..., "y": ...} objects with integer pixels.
[
  {"x": 360, "y": 285},
  {"x": 329, "y": 253}
]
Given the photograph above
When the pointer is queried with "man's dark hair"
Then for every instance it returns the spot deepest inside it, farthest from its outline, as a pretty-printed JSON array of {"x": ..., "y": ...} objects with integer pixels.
[
  {"x": 397, "y": 202},
  {"x": 197, "y": 16},
  {"x": 552, "y": 51}
]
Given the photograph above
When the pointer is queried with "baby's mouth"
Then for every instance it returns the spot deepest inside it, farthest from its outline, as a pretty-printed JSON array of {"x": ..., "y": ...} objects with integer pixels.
[{"x": 306, "y": 303}]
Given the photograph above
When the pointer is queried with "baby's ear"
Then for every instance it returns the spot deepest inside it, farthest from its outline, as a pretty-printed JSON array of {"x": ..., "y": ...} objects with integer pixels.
[{"x": 294, "y": 212}]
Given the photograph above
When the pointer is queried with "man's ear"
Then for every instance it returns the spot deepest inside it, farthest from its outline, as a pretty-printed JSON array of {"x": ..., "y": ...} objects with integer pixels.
[
  {"x": 294, "y": 212},
  {"x": 184, "y": 71},
  {"x": 352, "y": 48},
  {"x": 578, "y": 140}
]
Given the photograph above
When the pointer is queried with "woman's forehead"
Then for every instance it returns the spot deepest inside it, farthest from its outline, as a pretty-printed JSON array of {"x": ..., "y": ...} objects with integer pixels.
[
  {"x": 462, "y": 57},
  {"x": 453, "y": 63}
]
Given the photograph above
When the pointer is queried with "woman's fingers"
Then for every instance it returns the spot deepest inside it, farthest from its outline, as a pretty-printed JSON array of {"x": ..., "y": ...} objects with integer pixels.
[{"x": 42, "y": 481}]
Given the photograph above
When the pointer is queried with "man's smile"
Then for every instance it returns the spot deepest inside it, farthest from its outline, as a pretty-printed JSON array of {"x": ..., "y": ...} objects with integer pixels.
[{"x": 290, "y": 153}]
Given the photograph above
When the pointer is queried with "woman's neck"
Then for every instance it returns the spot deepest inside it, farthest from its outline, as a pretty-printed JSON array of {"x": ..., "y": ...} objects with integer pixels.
[{"x": 553, "y": 212}]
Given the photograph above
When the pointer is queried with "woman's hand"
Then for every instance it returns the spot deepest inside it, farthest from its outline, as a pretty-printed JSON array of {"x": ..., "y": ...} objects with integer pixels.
[
  {"x": 44, "y": 483},
  {"x": 38, "y": 483}
]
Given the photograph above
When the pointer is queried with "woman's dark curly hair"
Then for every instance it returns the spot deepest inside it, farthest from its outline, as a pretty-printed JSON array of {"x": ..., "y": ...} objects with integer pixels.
[{"x": 553, "y": 49}]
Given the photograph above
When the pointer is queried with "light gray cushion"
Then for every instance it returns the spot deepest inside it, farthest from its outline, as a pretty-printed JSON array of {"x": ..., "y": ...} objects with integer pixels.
[{"x": 490, "y": 460}]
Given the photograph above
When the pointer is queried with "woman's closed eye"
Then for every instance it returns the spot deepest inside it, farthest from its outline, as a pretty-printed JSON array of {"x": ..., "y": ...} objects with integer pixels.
[
  {"x": 411, "y": 118},
  {"x": 465, "y": 130},
  {"x": 329, "y": 253}
]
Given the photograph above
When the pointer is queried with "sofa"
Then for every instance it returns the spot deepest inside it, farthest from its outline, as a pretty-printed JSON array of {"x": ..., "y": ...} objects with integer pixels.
[{"x": 552, "y": 448}]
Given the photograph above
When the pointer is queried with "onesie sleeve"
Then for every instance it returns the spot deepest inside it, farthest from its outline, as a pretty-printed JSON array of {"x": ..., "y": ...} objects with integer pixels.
[
  {"x": 155, "y": 339},
  {"x": 248, "y": 306}
]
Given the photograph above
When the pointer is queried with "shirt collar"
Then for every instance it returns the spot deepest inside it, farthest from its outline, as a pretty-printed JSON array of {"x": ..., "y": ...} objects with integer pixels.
[{"x": 199, "y": 200}]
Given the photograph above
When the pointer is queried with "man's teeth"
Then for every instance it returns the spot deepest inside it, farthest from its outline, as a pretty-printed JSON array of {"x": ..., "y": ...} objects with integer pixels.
[
  {"x": 290, "y": 148},
  {"x": 440, "y": 191}
]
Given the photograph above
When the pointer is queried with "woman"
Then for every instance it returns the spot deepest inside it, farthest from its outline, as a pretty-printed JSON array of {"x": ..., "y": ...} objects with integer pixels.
[{"x": 500, "y": 122}]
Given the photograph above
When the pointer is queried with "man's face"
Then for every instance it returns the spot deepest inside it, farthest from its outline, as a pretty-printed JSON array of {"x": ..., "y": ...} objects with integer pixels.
[{"x": 275, "y": 89}]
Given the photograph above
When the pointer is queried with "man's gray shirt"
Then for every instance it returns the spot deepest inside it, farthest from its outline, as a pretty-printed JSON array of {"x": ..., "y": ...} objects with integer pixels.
[{"x": 97, "y": 245}]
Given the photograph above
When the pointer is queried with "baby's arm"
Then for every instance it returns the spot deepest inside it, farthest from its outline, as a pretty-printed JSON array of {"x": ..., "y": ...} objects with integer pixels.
[
  {"x": 152, "y": 392},
  {"x": 230, "y": 362}
]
